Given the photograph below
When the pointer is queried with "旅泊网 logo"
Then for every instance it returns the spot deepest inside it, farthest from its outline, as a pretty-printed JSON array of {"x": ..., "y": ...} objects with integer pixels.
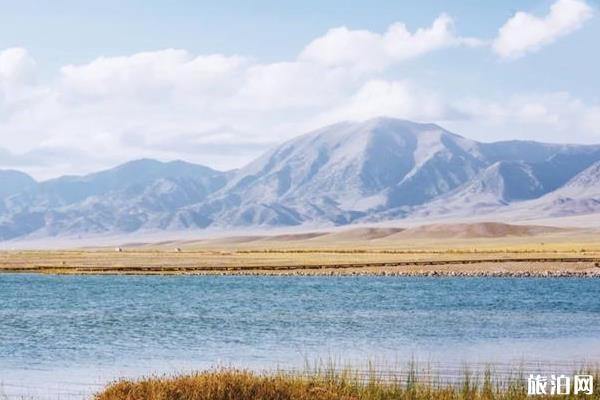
[{"x": 559, "y": 384}]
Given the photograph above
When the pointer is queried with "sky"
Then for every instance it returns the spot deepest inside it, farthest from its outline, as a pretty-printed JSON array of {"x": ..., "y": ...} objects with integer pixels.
[{"x": 88, "y": 85}]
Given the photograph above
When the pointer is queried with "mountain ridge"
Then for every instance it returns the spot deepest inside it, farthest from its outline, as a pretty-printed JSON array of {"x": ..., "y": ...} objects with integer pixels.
[{"x": 349, "y": 172}]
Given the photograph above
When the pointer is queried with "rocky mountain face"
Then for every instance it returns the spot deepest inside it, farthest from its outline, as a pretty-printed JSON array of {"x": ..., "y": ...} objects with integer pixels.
[
  {"x": 139, "y": 194},
  {"x": 580, "y": 195},
  {"x": 345, "y": 173},
  {"x": 14, "y": 182}
]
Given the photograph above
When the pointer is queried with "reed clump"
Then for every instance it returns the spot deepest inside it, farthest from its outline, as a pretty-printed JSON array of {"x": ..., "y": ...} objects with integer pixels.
[{"x": 328, "y": 385}]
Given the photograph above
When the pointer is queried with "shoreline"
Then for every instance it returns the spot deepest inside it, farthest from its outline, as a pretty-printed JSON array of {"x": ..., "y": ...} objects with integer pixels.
[
  {"x": 482, "y": 259},
  {"x": 468, "y": 269}
]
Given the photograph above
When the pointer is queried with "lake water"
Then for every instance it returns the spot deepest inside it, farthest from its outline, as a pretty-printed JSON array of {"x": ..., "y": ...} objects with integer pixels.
[{"x": 65, "y": 336}]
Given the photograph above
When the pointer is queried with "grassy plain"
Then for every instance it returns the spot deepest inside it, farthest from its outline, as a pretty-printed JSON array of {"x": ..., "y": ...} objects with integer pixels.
[{"x": 474, "y": 249}]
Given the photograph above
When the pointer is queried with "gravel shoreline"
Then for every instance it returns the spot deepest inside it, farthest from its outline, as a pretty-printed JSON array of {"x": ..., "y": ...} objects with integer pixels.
[
  {"x": 467, "y": 270},
  {"x": 458, "y": 274}
]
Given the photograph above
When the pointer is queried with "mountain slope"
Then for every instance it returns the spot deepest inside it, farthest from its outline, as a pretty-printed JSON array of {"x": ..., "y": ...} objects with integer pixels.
[
  {"x": 497, "y": 186},
  {"x": 139, "y": 194},
  {"x": 580, "y": 195},
  {"x": 345, "y": 173},
  {"x": 126, "y": 177},
  {"x": 387, "y": 168},
  {"x": 13, "y": 182}
]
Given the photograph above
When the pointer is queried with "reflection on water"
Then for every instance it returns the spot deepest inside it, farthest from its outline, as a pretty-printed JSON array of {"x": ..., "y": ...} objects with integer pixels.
[{"x": 65, "y": 334}]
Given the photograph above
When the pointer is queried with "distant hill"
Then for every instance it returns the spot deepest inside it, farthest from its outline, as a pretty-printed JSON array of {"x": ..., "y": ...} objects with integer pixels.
[
  {"x": 14, "y": 182},
  {"x": 580, "y": 195},
  {"x": 135, "y": 195},
  {"x": 377, "y": 170}
]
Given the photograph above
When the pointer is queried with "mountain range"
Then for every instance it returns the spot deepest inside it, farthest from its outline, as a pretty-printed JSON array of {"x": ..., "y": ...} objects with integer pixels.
[{"x": 351, "y": 172}]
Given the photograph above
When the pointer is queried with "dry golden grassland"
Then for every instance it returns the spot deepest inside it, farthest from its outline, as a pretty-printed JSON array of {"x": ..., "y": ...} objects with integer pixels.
[
  {"x": 241, "y": 385},
  {"x": 359, "y": 251}
]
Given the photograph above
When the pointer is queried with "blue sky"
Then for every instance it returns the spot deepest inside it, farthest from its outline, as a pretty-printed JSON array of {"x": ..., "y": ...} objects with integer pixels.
[{"x": 84, "y": 85}]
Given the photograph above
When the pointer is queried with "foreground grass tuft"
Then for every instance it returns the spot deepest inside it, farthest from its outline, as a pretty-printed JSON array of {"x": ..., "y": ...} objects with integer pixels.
[{"x": 244, "y": 385}]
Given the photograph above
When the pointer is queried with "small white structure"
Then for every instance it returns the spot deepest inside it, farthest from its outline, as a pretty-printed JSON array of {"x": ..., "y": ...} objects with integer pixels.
[
  {"x": 118, "y": 249},
  {"x": 177, "y": 250}
]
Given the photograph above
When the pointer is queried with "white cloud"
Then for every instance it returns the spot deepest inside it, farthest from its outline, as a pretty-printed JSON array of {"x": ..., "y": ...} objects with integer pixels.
[
  {"x": 366, "y": 50},
  {"x": 152, "y": 76},
  {"x": 290, "y": 85},
  {"x": 16, "y": 66},
  {"x": 17, "y": 74},
  {"x": 546, "y": 117},
  {"x": 526, "y": 33},
  {"x": 399, "y": 99},
  {"x": 553, "y": 117},
  {"x": 18, "y": 89},
  {"x": 223, "y": 110}
]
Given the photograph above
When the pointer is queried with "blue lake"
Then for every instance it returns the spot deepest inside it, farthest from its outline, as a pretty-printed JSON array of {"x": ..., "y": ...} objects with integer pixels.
[{"x": 65, "y": 336}]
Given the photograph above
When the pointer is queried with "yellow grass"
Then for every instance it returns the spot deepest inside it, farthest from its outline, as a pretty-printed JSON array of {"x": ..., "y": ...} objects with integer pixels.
[
  {"x": 146, "y": 261},
  {"x": 243, "y": 385},
  {"x": 565, "y": 251}
]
